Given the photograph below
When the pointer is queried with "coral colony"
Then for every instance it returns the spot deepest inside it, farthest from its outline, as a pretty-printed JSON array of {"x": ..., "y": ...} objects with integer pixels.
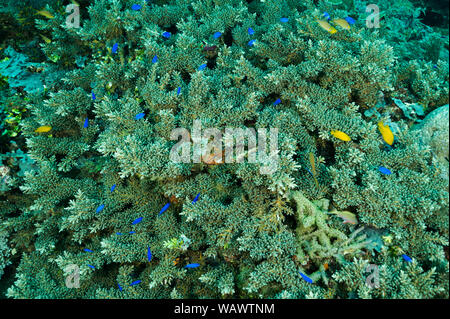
[{"x": 311, "y": 166}]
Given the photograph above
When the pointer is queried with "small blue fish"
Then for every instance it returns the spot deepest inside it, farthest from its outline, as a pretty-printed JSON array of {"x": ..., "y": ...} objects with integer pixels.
[
  {"x": 384, "y": 170},
  {"x": 306, "y": 278},
  {"x": 86, "y": 123},
  {"x": 435, "y": 66},
  {"x": 120, "y": 288},
  {"x": 93, "y": 96},
  {"x": 139, "y": 116},
  {"x": 136, "y": 7},
  {"x": 113, "y": 188},
  {"x": 91, "y": 266},
  {"x": 278, "y": 101},
  {"x": 284, "y": 20},
  {"x": 179, "y": 90},
  {"x": 137, "y": 221},
  {"x": 135, "y": 282},
  {"x": 115, "y": 47},
  {"x": 132, "y": 232},
  {"x": 166, "y": 34},
  {"x": 326, "y": 15},
  {"x": 119, "y": 234},
  {"x": 201, "y": 67},
  {"x": 217, "y": 35},
  {"x": 309, "y": 171},
  {"x": 191, "y": 265},
  {"x": 149, "y": 254},
  {"x": 100, "y": 208},
  {"x": 164, "y": 208},
  {"x": 250, "y": 43},
  {"x": 155, "y": 59},
  {"x": 88, "y": 250},
  {"x": 196, "y": 198},
  {"x": 350, "y": 20},
  {"x": 407, "y": 258},
  {"x": 251, "y": 31}
]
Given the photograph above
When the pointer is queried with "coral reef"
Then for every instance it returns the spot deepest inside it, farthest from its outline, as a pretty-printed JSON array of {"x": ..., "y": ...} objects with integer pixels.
[
  {"x": 101, "y": 194},
  {"x": 433, "y": 132}
]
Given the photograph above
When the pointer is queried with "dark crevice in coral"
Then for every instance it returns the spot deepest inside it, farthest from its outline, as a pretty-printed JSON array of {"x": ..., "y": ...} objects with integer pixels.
[
  {"x": 126, "y": 50},
  {"x": 290, "y": 220},
  {"x": 358, "y": 180},
  {"x": 186, "y": 76},
  {"x": 227, "y": 201},
  {"x": 8, "y": 277},
  {"x": 354, "y": 97},
  {"x": 74, "y": 173},
  {"x": 327, "y": 151},
  {"x": 64, "y": 202},
  {"x": 433, "y": 18},
  {"x": 172, "y": 29},
  {"x": 3, "y": 144},
  {"x": 271, "y": 98},
  {"x": 65, "y": 242},
  {"x": 59, "y": 158},
  {"x": 250, "y": 123},
  {"x": 138, "y": 269},
  {"x": 211, "y": 63},
  {"x": 228, "y": 38},
  {"x": 15, "y": 212},
  {"x": 127, "y": 206}
]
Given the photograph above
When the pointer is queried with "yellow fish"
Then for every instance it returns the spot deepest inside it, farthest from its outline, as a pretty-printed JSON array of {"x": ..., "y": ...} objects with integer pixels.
[
  {"x": 347, "y": 217},
  {"x": 47, "y": 40},
  {"x": 342, "y": 23},
  {"x": 386, "y": 132},
  {"x": 326, "y": 26},
  {"x": 43, "y": 129},
  {"x": 45, "y": 13},
  {"x": 341, "y": 135},
  {"x": 313, "y": 167}
]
